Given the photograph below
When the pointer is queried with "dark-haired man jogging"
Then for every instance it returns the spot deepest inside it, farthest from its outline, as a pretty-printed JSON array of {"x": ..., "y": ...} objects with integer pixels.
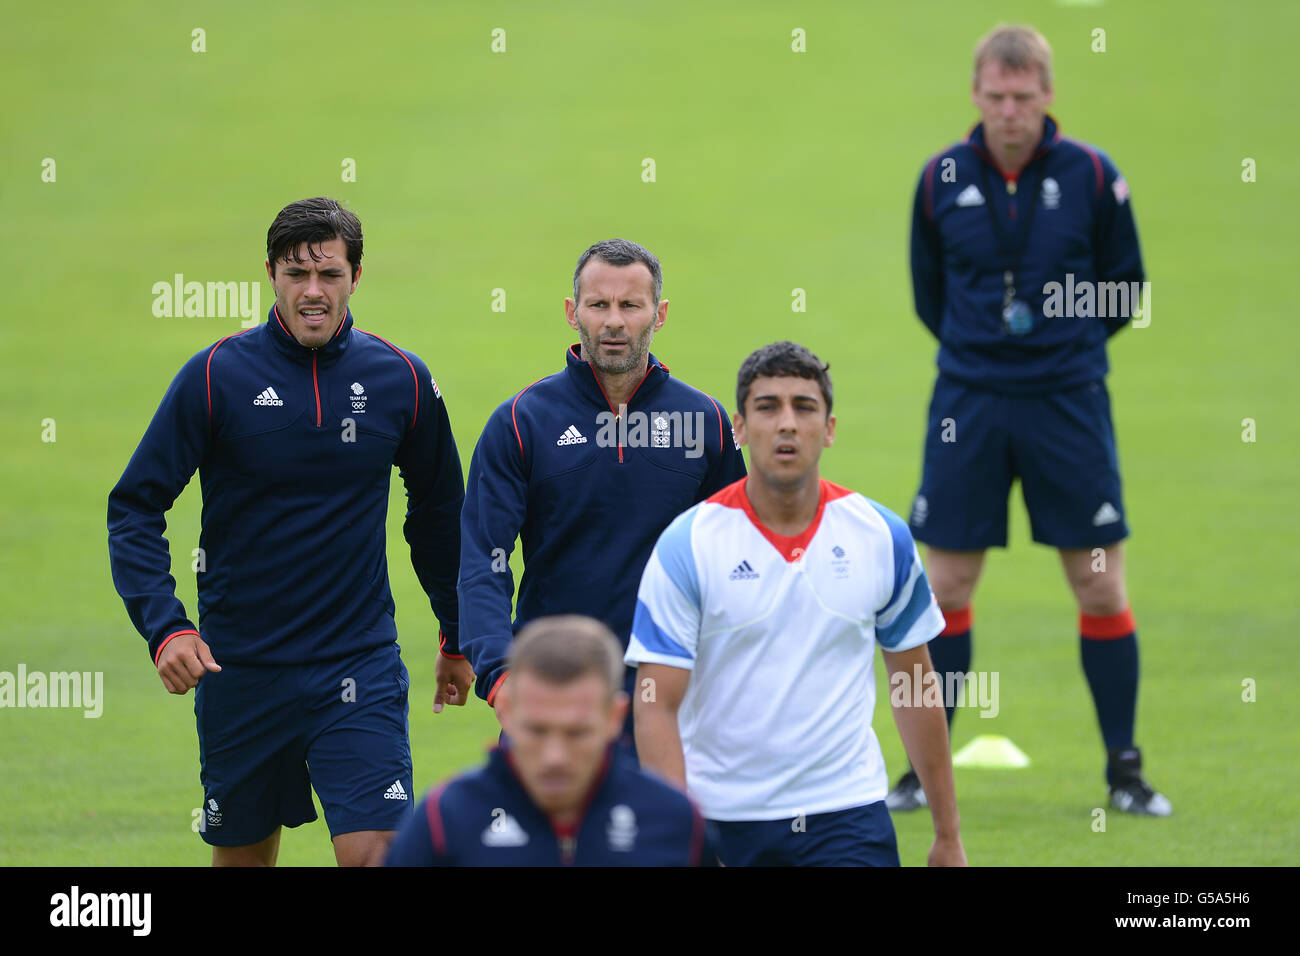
[
  {"x": 294, "y": 427},
  {"x": 756, "y": 627}
]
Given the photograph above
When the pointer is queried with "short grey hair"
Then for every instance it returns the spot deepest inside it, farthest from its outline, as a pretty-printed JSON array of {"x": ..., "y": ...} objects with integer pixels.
[
  {"x": 621, "y": 252},
  {"x": 562, "y": 648}
]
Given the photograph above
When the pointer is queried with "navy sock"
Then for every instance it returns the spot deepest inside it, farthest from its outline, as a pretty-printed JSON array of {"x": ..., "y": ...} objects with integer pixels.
[
  {"x": 949, "y": 654},
  {"x": 1108, "y": 647}
]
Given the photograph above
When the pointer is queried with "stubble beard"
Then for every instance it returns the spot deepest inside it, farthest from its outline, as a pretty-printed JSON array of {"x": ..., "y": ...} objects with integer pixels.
[{"x": 637, "y": 352}]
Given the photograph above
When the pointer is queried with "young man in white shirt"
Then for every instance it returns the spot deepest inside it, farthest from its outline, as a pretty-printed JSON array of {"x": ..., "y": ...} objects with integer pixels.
[{"x": 754, "y": 638}]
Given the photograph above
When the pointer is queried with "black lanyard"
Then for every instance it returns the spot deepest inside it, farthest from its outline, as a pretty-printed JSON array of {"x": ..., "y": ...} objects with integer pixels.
[{"x": 1015, "y": 250}]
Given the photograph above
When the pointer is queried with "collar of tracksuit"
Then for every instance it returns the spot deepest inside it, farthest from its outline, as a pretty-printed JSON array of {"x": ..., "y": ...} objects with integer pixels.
[
  {"x": 502, "y": 763},
  {"x": 583, "y": 377},
  {"x": 1051, "y": 133},
  {"x": 295, "y": 350}
]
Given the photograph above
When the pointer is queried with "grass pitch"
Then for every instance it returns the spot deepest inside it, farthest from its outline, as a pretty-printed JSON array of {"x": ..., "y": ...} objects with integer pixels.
[{"x": 774, "y": 171}]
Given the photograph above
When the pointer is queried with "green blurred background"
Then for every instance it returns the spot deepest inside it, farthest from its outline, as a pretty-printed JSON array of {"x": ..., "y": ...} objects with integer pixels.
[{"x": 775, "y": 170}]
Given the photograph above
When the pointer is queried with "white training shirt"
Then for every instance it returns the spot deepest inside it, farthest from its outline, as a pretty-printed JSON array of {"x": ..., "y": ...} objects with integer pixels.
[{"x": 780, "y": 636}]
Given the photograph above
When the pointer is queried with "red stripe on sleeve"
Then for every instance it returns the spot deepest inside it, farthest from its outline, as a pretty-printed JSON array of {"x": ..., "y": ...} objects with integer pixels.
[
  {"x": 442, "y": 643},
  {"x": 514, "y": 422},
  {"x": 433, "y": 811},
  {"x": 208, "y": 373},
  {"x": 722, "y": 437},
  {"x": 168, "y": 638},
  {"x": 1096, "y": 162},
  {"x": 492, "y": 694},
  {"x": 927, "y": 183},
  {"x": 414, "y": 375}
]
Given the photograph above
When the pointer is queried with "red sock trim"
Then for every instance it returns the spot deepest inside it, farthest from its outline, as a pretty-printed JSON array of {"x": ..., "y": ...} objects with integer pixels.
[
  {"x": 957, "y": 622},
  {"x": 1107, "y": 627}
]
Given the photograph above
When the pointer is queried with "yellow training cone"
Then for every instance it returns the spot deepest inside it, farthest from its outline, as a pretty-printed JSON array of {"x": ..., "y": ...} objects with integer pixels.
[{"x": 990, "y": 751}]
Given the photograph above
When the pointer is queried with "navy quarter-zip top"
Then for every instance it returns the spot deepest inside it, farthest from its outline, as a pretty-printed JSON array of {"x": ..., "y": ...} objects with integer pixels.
[
  {"x": 295, "y": 449},
  {"x": 587, "y": 488},
  {"x": 1069, "y": 215},
  {"x": 486, "y": 818}
]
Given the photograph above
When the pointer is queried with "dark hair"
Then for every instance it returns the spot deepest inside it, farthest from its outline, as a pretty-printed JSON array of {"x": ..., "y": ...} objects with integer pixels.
[
  {"x": 781, "y": 359},
  {"x": 621, "y": 252},
  {"x": 562, "y": 648},
  {"x": 313, "y": 221}
]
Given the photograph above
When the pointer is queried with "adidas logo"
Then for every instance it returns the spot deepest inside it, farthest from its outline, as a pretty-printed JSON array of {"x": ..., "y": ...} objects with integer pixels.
[
  {"x": 744, "y": 572},
  {"x": 571, "y": 436},
  {"x": 1106, "y": 514},
  {"x": 268, "y": 397},
  {"x": 395, "y": 792},
  {"x": 838, "y": 551},
  {"x": 970, "y": 196}
]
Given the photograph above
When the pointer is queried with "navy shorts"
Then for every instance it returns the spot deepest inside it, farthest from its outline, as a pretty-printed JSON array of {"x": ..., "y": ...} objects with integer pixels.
[
  {"x": 268, "y": 735},
  {"x": 1060, "y": 445},
  {"x": 858, "y": 836}
]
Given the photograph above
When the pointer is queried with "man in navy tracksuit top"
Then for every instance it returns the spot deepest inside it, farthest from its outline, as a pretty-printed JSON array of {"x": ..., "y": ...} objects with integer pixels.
[
  {"x": 587, "y": 467},
  {"x": 1025, "y": 260},
  {"x": 294, "y": 427},
  {"x": 561, "y": 792}
]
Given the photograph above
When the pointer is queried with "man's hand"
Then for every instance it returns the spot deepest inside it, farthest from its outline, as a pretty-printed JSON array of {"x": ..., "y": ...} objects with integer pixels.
[
  {"x": 947, "y": 851},
  {"x": 455, "y": 678},
  {"x": 183, "y": 661},
  {"x": 924, "y": 730}
]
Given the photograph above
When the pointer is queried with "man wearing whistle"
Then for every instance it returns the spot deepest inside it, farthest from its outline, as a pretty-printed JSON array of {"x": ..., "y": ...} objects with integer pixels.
[{"x": 1025, "y": 260}]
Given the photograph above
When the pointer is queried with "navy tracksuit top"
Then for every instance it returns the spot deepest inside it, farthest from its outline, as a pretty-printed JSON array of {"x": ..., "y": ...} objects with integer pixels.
[
  {"x": 486, "y": 818},
  {"x": 295, "y": 449},
  {"x": 1081, "y": 225},
  {"x": 587, "y": 502}
]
